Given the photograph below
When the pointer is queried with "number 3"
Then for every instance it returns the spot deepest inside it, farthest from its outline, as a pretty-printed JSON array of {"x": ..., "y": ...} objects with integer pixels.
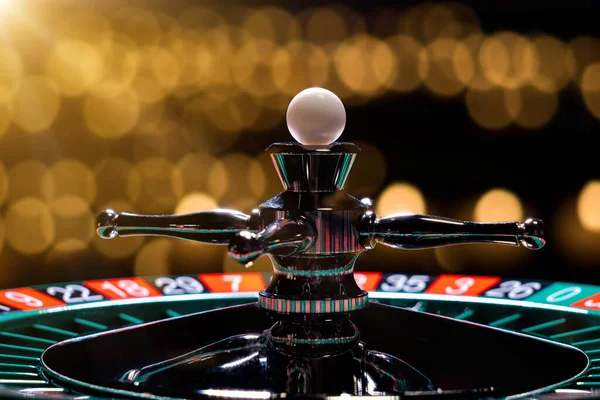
[{"x": 463, "y": 286}]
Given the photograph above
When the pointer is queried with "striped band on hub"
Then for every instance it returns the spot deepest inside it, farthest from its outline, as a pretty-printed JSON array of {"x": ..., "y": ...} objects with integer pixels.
[{"x": 311, "y": 306}]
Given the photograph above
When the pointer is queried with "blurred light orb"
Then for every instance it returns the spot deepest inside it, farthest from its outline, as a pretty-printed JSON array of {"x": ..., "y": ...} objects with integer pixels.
[
  {"x": 465, "y": 55},
  {"x": 531, "y": 108},
  {"x": 153, "y": 258},
  {"x": 73, "y": 66},
  {"x": 111, "y": 117},
  {"x": 30, "y": 178},
  {"x": 368, "y": 171},
  {"x": 73, "y": 219},
  {"x": 6, "y": 113},
  {"x": 36, "y": 104},
  {"x": 87, "y": 26},
  {"x": 440, "y": 22},
  {"x": 400, "y": 198},
  {"x": 245, "y": 181},
  {"x": 161, "y": 185},
  {"x": 201, "y": 172},
  {"x": 140, "y": 25},
  {"x": 364, "y": 64},
  {"x": 498, "y": 205},
  {"x": 446, "y": 56},
  {"x": 121, "y": 62},
  {"x": 2, "y": 233},
  {"x": 509, "y": 60},
  {"x": 11, "y": 72},
  {"x": 3, "y": 183},
  {"x": 326, "y": 25},
  {"x": 411, "y": 62},
  {"x": 30, "y": 227},
  {"x": 554, "y": 64},
  {"x": 115, "y": 179},
  {"x": 588, "y": 208},
  {"x": 259, "y": 24},
  {"x": 72, "y": 177},
  {"x": 196, "y": 201},
  {"x": 582, "y": 51},
  {"x": 590, "y": 88},
  {"x": 157, "y": 75},
  {"x": 315, "y": 117},
  {"x": 489, "y": 109},
  {"x": 299, "y": 65}
]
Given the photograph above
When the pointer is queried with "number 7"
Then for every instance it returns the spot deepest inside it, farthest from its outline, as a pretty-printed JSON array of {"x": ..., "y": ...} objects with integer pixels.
[{"x": 235, "y": 281}]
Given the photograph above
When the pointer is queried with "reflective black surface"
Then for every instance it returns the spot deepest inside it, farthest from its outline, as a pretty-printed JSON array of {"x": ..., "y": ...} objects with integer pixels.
[{"x": 454, "y": 355}]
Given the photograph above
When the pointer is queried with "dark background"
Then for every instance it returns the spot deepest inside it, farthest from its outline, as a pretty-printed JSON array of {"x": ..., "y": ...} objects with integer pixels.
[{"x": 425, "y": 139}]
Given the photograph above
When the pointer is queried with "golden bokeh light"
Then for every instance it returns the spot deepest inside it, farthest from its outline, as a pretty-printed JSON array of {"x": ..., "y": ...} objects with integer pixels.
[
  {"x": 65, "y": 254},
  {"x": 116, "y": 179},
  {"x": 201, "y": 18},
  {"x": 73, "y": 220},
  {"x": 233, "y": 115},
  {"x": 88, "y": 26},
  {"x": 412, "y": 62},
  {"x": 3, "y": 183},
  {"x": 111, "y": 117},
  {"x": 583, "y": 51},
  {"x": 529, "y": 107},
  {"x": 446, "y": 56},
  {"x": 368, "y": 171},
  {"x": 141, "y": 26},
  {"x": 467, "y": 66},
  {"x": 157, "y": 75},
  {"x": 245, "y": 181},
  {"x": 72, "y": 177},
  {"x": 440, "y": 22},
  {"x": 285, "y": 25},
  {"x": 11, "y": 72},
  {"x": 509, "y": 60},
  {"x": 121, "y": 61},
  {"x": 555, "y": 62},
  {"x": 196, "y": 201},
  {"x": 124, "y": 247},
  {"x": 498, "y": 205},
  {"x": 299, "y": 65},
  {"x": 587, "y": 206},
  {"x": 2, "y": 233},
  {"x": 259, "y": 24},
  {"x": 161, "y": 185},
  {"x": 489, "y": 108},
  {"x": 201, "y": 172},
  {"x": 36, "y": 104},
  {"x": 590, "y": 88},
  {"x": 154, "y": 258},
  {"x": 400, "y": 198},
  {"x": 326, "y": 25},
  {"x": 6, "y": 113},
  {"x": 30, "y": 227},
  {"x": 251, "y": 69},
  {"x": 74, "y": 66},
  {"x": 364, "y": 64},
  {"x": 30, "y": 178},
  {"x": 199, "y": 133}
]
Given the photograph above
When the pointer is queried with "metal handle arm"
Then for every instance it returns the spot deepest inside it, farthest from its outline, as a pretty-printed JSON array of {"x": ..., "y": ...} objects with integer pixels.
[
  {"x": 283, "y": 237},
  {"x": 217, "y": 226},
  {"x": 418, "y": 231}
]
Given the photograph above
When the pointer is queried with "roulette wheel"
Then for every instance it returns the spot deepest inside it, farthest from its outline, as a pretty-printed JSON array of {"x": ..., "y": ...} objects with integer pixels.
[{"x": 313, "y": 328}]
